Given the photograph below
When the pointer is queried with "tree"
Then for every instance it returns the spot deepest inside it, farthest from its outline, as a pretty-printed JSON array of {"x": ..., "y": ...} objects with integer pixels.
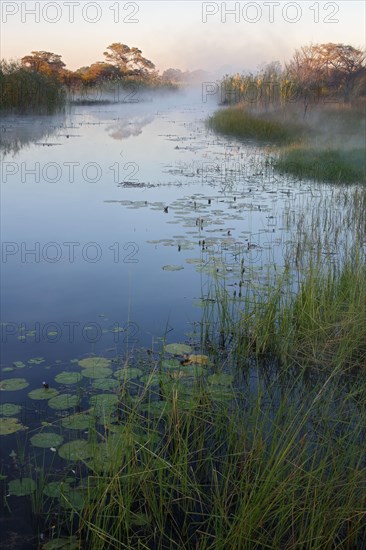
[
  {"x": 129, "y": 60},
  {"x": 326, "y": 68},
  {"x": 44, "y": 62}
]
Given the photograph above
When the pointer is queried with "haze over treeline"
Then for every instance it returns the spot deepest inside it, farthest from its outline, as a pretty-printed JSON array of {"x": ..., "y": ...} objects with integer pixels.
[{"x": 336, "y": 70}]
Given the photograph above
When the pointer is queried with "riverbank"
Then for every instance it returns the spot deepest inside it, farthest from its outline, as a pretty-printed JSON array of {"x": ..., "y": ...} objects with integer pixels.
[{"x": 325, "y": 145}]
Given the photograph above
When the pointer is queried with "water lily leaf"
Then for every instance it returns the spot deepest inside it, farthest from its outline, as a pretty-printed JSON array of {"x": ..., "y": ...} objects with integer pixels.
[
  {"x": 9, "y": 409},
  {"x": 151, "y": 379},
  {"x": 91, "y": 362},
  {"x": 64, "y": 401},
  {"x": 128, "y": 373},
  {"x": 97, "y": 372},
  {"x": 79, "y": 421},
  {"x": 9, "y": 425},
  {"x": 19, "y": 364},
  {"x": 178, "y": 349},
  {"x": 221, "y": 379},
  {"x": 70, "y": 543},
  {"x": 105, "y": 384},
  {"x": 36, "y": 360},
  {"x": 13, "y": 384},
  {"x": 22, "y": 487},
  {"x": 43, "y": 393},
  {"x": 171, "y": 364},
  {"x": 172, "y": 267},
  {"x": 46, "y": 440},
  {"x": 55, "y": 489},
  {"x": 74, "y": 499},
  {"x": 104, "y": 403},
  {"x": 66, "y": 377},
  {"x": 79, "y": 449},
  {"x": 196, "y": 360},
  {"x": 8, "y": 369}
]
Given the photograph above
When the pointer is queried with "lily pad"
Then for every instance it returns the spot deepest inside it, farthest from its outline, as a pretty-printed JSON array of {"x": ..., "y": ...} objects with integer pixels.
[
  {"x": 172, "y": 267},
  {"x": 74, "y": 499},
  {"x": 97, "y": 372},
  {"x": 196, "y": 360},
  {"x": 221, "y": 379},
  {"x": 46, "y": 440},
  {"x": 105, "y": 384},
  {"x": 36, "y": 360},
  {"x": 64, "y": 401},
  {"x": 178, "y": 349},
  {"x": 79, "y": 421},
  {"x": 13, "y": 384},
  {"x": 9, "y": 425},
  {"x": 66, "y": 377},
  {"x": 43, "y": 393},
  {"x": 79, "y": 449},
  {"x": 9, "y": 409},
  {"x": 128, "y": 373},
  {"x": 55, "y": 489},
  {"x": 19, "y": 364},
  {"x": 104, "y": 403},
  {"x": 171, "y": 364},
  {"x": 69, "y": 543},
  {"x": 22, "y": 487},
  {"x": 91, "y": 362}
]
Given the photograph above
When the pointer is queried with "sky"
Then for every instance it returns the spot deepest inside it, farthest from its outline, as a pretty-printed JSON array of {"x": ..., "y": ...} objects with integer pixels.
[{"x": 220, "y": 37}]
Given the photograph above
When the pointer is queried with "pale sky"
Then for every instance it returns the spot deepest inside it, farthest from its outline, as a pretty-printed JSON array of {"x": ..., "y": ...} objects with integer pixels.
[{"x": 189, "y": 35}]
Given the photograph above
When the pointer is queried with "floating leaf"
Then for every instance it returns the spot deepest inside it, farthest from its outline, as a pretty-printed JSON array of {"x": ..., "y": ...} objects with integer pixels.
[
  {"x": 74, "y": 499},
  {"x": 36, "y": 360},
  {"x": 196, "y": 360},
  {"x": 9, "y": 409},
  {"x": 104, "y": 403},
  {"x": 64, "y": 401},
  {"x": 46, "y": 440},
  {"x": 171, "y": 364},
  {"x": 43, "y": 393},
  {"x": 105, "y": 384},
  {"x": 9, "y": 425},
  {"x": 22, "y": 487},
  {"x": 55, "y": 489},
  {"x": 19, "y": 364},
  {"x": 13, "y": 384},
  {"x": 8, "y": 369},
  {"x": 91, "y": 362},
  {"x": 76, "y": 421},
  {"x": 79, "y": 449},
  {"x": 128, "y": 373},
  {"x": 69, "y": 543},
  {"x": 221, "y": 379},
  {"x": 97, "y": 372},
  {"x": 172, "y": 267},
  {"x": 66, "y": 377},
  {"x": 178, "y": 349}
]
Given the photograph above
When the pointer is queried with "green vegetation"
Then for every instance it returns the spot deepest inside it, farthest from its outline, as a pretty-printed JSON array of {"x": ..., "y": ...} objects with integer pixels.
[
  {"x": 314, "y": 106},
  {"x": 236, "y": 121},
  {"x": 25, "y": 91},
  {"x": 330, "y": 165}
]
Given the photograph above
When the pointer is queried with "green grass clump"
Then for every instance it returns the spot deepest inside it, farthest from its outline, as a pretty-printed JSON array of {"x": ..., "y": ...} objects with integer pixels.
[
  {"x": 330, "y": 165},
  {"x": 235, "y": 121}
]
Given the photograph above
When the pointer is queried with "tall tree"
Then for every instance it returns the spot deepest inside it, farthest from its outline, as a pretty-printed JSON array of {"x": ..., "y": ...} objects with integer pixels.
[
  {"x": 330, "y": 68},
  {"x": 44, "y": 62},
  {"x": 129, "y": 60}
]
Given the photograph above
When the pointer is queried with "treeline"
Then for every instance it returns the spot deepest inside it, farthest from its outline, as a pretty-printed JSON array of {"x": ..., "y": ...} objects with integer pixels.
[
  {"x": 41, "y": 82},
  {"x": 316, "y": 73}
]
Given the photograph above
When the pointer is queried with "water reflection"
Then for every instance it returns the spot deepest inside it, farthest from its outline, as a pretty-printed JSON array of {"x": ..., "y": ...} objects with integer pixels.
[{"x": 18, "y": 132}]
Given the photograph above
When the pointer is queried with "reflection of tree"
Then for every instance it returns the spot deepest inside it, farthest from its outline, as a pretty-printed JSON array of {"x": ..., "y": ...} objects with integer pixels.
[
  {"x": 123, "y": 129},
  {"x": 16, "y": 134}
]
